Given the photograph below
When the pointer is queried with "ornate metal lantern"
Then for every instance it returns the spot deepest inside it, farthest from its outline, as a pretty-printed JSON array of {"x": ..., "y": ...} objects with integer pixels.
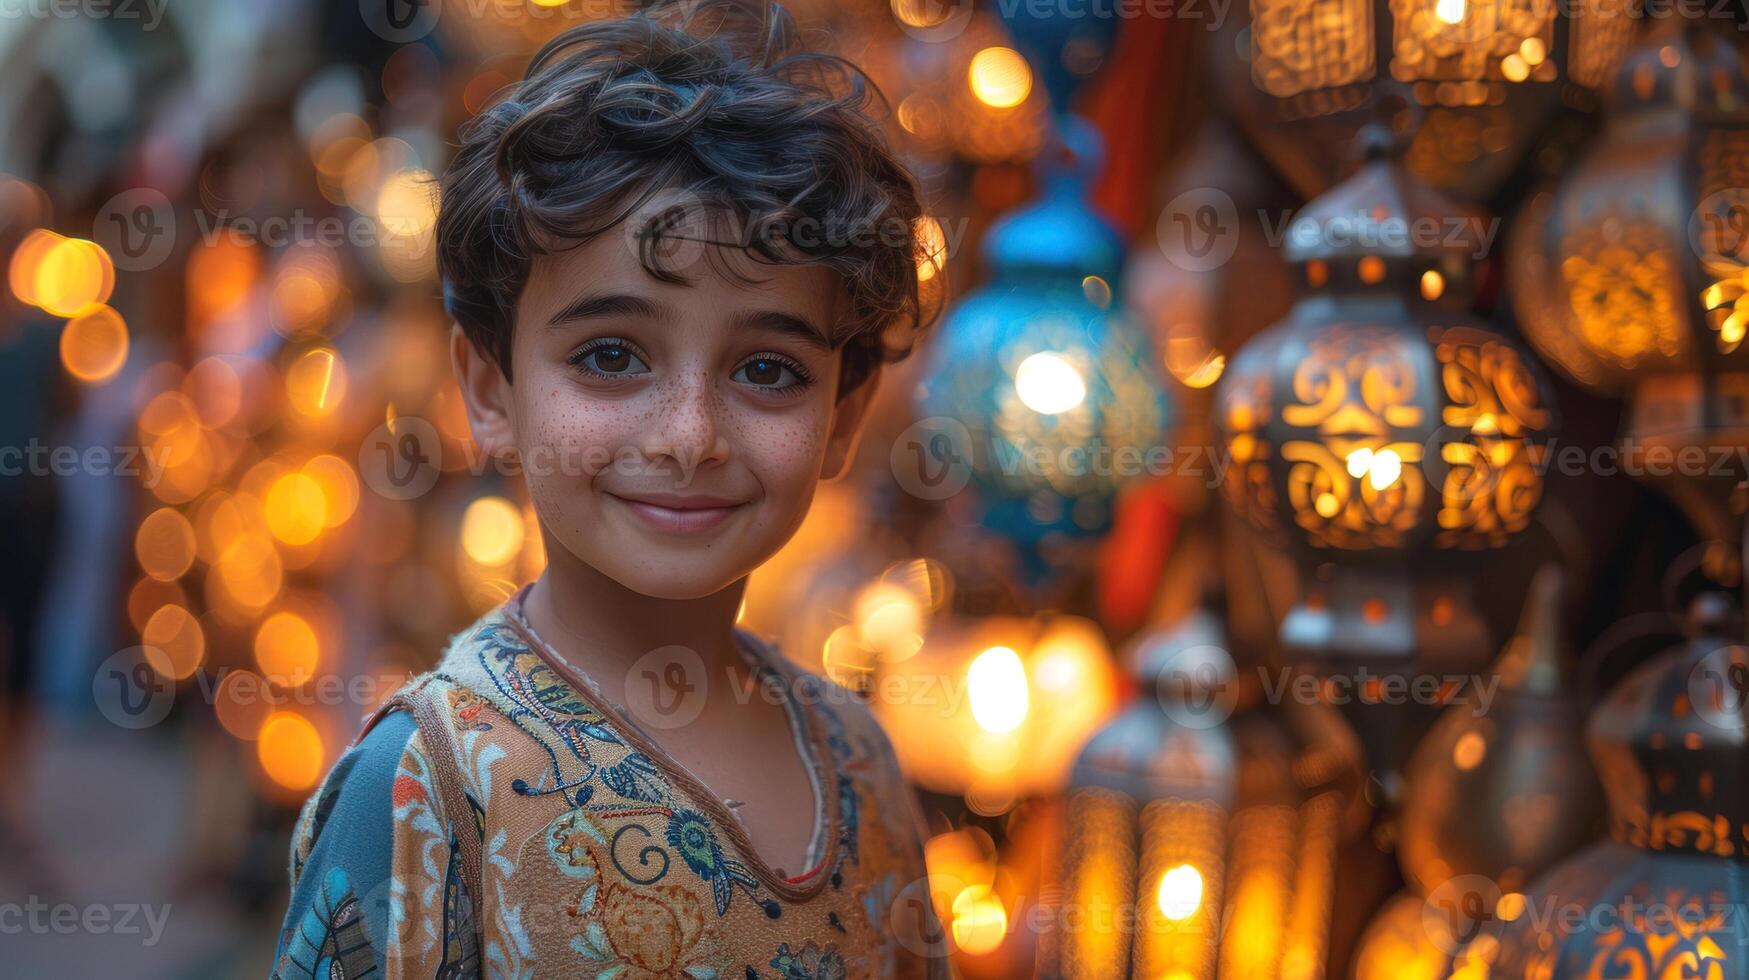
[
  {"x": 1633, "y": 275},
  {"x": 1379, "y": 430},
  {"x": 1502, "y": 794},
  {"x": 1202, "y": 827},
  {"x": 1057, "y": 391},
  {"x": 1497, "y": 796},
  {"x": 1302, "y": 76},
  {"x": 1665, "y": 896}
]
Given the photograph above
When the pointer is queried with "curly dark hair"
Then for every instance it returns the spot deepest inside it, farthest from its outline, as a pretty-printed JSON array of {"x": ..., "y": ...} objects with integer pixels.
[{"x": 712, "y": 98}]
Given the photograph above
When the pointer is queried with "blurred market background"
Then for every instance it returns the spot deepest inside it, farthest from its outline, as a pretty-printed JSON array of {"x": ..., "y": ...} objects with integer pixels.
[{"x": 1157, "y": 451}]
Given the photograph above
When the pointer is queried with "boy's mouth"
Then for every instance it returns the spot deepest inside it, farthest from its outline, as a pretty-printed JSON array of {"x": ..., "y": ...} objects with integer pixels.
[{"x": 679, "y": 513}]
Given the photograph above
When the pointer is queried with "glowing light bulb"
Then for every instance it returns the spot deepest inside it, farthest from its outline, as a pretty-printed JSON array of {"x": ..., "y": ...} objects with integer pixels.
[
  {"x": 1386, "y": 468},
  {"x": 1048, "y": 384},
  {"x": 1180, "y": 893},
  {"x": 979, "y": 920},
  {"x": 1000, "y": 77},
  {"x": 1382, "y": 468},
  {"x": 1450, "y": 11},
  {"x": 996, "y": 684}
]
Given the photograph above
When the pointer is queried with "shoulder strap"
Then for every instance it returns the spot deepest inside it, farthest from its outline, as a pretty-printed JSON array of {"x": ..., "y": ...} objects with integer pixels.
[{"x": 424, "y": 703}]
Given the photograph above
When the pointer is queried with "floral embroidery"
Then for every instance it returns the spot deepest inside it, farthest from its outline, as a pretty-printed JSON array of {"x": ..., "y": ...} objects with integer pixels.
[
  {"x": 568, "y": 841},
  {"x": 690, "y": 833},
  {"x": 466, "y": 706},
  {"x": 810, "y": 963},
  {"x": 591, "y": 815}
]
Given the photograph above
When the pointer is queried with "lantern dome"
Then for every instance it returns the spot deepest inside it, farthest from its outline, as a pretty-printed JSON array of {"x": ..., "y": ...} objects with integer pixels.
[{"x": 1059, "y": 392}]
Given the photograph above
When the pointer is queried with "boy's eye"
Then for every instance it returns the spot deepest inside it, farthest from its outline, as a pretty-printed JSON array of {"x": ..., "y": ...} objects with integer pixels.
[
  {"x": 615, "y": 359},
  {"x": 766, "y": 372}
]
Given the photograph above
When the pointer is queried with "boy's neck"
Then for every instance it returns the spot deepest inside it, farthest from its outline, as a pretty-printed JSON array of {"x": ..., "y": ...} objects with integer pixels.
[{"x": 595, "y": 622}]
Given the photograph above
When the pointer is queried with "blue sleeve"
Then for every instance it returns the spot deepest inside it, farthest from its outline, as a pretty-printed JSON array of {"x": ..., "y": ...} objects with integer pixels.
[{"x": 338, "y": 922}]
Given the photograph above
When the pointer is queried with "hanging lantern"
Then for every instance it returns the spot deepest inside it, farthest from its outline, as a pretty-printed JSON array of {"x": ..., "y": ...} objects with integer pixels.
[
  {"x": 1633, "y": 275},
  {"x": 989, "y": 708},
  {"x": 1202, "y": 843},
  {"x": 1504, "y": 793},
  {"x": 1056, "y": 390},
  {"x": 1485, "y": 76},
  {"x": 1664, "y": 897},
  {"x": 1496, "y": 797},
  {"x": 1384, "y": 433}
]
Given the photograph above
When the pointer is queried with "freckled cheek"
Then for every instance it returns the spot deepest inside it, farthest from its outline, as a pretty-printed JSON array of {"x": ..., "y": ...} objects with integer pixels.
[
  {"x": 783, "y": 451},
  {"x": 584, "y": 434}
]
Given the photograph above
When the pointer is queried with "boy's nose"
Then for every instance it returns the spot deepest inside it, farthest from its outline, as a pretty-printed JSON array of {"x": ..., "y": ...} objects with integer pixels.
[{"x": 688, "y": 426}]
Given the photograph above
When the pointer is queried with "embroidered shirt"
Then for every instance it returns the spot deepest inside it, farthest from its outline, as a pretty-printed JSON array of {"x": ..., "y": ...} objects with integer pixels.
[{"x": 598, "y": 859}]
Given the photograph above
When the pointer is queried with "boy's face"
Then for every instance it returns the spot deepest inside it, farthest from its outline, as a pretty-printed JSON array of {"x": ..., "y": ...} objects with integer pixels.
[{"x": 671, "y": 435}]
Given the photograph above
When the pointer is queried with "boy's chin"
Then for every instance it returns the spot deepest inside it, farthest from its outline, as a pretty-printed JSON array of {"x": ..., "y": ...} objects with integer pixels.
[{"x": 676, "y": 580}]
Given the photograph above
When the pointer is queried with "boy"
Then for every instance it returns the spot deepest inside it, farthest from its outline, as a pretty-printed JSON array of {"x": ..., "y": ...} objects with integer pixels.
[{"x": 669, "y": 253}]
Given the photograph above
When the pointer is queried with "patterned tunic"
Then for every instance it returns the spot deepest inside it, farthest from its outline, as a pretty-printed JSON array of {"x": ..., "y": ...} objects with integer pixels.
[{"x": 597, "y": 857}]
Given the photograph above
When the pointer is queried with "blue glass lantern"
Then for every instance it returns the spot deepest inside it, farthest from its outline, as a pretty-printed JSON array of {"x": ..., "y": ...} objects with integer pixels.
[{"x": 1058, "y": 392}]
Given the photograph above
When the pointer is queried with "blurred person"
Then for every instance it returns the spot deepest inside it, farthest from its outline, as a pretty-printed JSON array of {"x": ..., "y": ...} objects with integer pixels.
[{"x": 677, "y": 255}]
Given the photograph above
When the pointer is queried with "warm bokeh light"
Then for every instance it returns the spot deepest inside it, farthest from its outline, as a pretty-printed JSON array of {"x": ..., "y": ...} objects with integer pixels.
[
  {"x": 1469, "y": 750},
  {"x": 1000, "y": 77},
  {"x": 492, "y": 531},
  {"x": 979, "y": 920},
  {"x": 1382, "y": 468},
  {"x": 1048, "y": 384},
  {"x": 290, "y": 750},
  {"x": 931, "y": 248},
  {"x": 174, "y": 642},
  {"x": 62, "y": 276},
  {"x": 316, "y": 382},
  {"x": 250, "y": 571},
  {"x": 889, "y": 620},
  {"x": 339, "y": 485},
  {"x": 1179, "y": 894},
  {"x": 996, "y": 684},
  {"x": 164, "y": 544},
  {"x": 406, "y": 206},
  {"x": 286, "y": 649},
  {"x": 296, "y": 508},
  {"x": 94, "y": 345},
  {"x": 215, "y": 389}
]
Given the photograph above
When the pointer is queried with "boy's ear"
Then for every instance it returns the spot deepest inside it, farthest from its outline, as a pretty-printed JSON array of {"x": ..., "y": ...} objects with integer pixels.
[
  {"x": 847, "y": 418},
  {"x": 486, "y": 393}
]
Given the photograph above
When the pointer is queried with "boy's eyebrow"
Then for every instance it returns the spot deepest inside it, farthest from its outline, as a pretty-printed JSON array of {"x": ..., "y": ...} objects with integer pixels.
[
  {"x": 597, "y": 304},
  {"x": 784, "y": 323},
  {"x": 618, "y": 304}
]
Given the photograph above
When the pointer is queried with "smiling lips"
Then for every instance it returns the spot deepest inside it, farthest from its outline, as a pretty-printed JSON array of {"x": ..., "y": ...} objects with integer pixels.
[{"x": 677, "y": 513}]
